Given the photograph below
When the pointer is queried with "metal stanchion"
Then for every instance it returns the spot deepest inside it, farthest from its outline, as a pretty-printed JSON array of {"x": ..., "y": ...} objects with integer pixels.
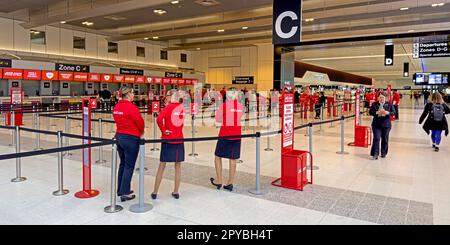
[
  {"x": 257, "y": 190},
  {"x": 141, "y": 207},
  {"x": 321, "y": 118},
  {"x": 193, "y": 154},
  {"x": 342, "y": 152},
  {"x": 18, "y": 178},
  {"x": 310, "y": 143},
  {"x": 93, "y": 123},
  {"x": 100, "y": 135},
  {"x": 154, "y": 133},
  {"x": 113, "y": 207},
  {"x": 268, "y": 136},
  {"x": 13, "y": 124},
  {"x": 332, "y": 115},
  {"x": 61, "y": 191},
  {"x": 67, "y": 130},
  {"x": 38, "y": 135}
]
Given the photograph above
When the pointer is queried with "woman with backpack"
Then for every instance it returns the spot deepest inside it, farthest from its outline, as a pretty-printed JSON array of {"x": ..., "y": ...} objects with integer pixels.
[{"x": 436, "y": 122}]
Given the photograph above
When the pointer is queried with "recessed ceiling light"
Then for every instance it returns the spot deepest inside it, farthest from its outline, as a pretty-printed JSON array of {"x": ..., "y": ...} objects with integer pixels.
[
  {"x": 159, "y": 11},
  {"x": 146, "y": 38},
  {"x": 437, "y": 4},
  {"x": 244, "y": 27},
  {"x": 221, "y": 30},
  {"x": 87, "y": 23},
  {"x": 207, "y": 3},
  {"x": 198, "y": 48},
  {"x": 155, "y": 37},
  {"x": 403, "y": 9},
  {"x": 309, "y": 20},
  {"x": 411, "y": 31},
  {"x": 63, "y": 22},
  {"x": 175, "y": 2}
]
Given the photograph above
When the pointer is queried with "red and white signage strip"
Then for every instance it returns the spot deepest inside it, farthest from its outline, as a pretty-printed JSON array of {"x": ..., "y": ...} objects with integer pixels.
[
  {"x": 12, "y": 74},
  {"x": 94, "y": 77},
  {"x": 118, "y": 78},
  {"x": 129, "y": 79},
  {"x": 32, "y": 75},
  {"x": 139, "y": 79},
  {"x": 167, "y": 81},
  {"x": 357, "y": 108},
  {"x": 1, "y": 73},
  {"x": 80, "y": 76},
  {"x": 149, "y": 80},
  {"x": 157, "y": 80},
  {"x": 65, "y": 76},
  {"x": 188, "y": 82},
  {"x": 107, "y": 78},
  {"x": 288, "y": 122},
  {"x": 49, "y": 75},
  {"x": 181, "y": 81}
]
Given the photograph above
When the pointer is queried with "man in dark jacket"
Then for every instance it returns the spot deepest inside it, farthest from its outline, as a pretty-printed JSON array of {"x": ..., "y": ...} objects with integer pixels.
[{"x": 381, "y": 111}]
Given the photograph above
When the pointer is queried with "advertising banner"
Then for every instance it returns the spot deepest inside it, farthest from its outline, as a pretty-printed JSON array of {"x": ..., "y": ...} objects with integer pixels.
[
  {"x": 12, "y": 74},
  {"x": 65, "y": 76},
  {"x": 288, "y": 122},
  {"x": 357, "y": 106},
  {"x": 107, "y": 78},
  {"x": 32, "y": 75},
  {"x": 49, "y": 75},
  {"x": 94, "y": 77},
  {"x": 80, "y": 77},
  {"x": 194, "y": 108}
]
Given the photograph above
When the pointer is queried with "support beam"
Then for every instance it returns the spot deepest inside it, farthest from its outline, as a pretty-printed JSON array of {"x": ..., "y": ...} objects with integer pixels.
[{"x": 94, "y": 12}]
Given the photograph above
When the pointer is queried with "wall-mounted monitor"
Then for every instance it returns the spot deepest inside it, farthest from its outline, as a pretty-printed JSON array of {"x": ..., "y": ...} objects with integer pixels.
[{"x": 430, "y": 79}]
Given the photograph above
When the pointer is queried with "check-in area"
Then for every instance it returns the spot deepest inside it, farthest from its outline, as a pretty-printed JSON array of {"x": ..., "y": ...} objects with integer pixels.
[{"x": 224, "y": 112}]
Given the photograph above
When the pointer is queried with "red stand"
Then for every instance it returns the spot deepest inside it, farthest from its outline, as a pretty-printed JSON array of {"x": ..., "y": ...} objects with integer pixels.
[
  {"x": 363, "y": 134},
  {"x": 87, "y": 192},
  {"x": 293, "y": 162}
]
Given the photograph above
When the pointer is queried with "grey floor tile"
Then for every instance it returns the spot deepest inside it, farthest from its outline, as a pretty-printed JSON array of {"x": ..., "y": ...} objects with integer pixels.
[
  {"x": 397, "y": 201},
  {"x": 371, "y": 217},
  {"x": 342, "y": 211},
  {"x": 392, "y": 218},
  {"x": 394, "y": 208},
  {"x": 347, "y": 204},
  {"x": 412, "y": 219}
]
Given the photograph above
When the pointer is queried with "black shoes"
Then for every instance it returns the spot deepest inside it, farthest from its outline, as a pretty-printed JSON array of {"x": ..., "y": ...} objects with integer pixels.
[
  {"x": 434, "y": 146},
  {"x": 228, "y": 187},
  {"x": 436, "y": 149},
  {"x": 218, "y": 186},
  {"x": 175, "y": 195},
  {"x": 383, "y": 156},
  {"x": 125, "y": 198},
  {"x": 153, "y": 195},
  {"x": 374, "y": 157},
  {"x": 131, "y": 192}
]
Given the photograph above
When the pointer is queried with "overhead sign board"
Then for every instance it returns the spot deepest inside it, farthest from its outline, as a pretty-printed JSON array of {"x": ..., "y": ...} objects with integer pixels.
[
  {"x": 174, "y": 75},
  {"x": 125, "y": 71},
  {"x": 437, "y": 49},
  {"x": 5, "y": 63},
  {"x": 70, "y": 67},
  {"x": 244, "y": 80},
  {"x": 389, "y": 55},
  {"x": 287, "y": 21}
]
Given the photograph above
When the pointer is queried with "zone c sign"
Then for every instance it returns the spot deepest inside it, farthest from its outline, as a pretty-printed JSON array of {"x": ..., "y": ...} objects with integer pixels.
[{"x": 287, "y": 20}]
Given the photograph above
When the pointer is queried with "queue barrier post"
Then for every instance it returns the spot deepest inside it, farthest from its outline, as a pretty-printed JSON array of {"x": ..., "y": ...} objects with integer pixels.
[
  {"x": 141, "y": 207},
  {"x": 100, "y": 150},
  {"x": 19, "y": 177},
  {"x": 257, "y": 190},
  {"x": 61, "y": 191},
  {"x": 193, "y": 154},
  {"x": 154, "y": 133},
  {"x": 342, "y": 152},
  {"x": 67, "y": 130},
  {"x": 332, "y": 115},
  {"x": 310, "y": 144},
  {"x": 113, "y": 207},
  {"x": 13, "y": 124},
  {"x": 38, "y": 135},
  {"x": 268, "y": 137}
]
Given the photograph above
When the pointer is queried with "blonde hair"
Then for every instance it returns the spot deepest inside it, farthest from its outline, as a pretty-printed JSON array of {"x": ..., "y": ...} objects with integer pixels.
[{"x": 436, "y": 98}]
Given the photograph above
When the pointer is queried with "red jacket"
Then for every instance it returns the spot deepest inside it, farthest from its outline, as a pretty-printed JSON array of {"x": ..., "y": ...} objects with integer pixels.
[
  {"x": 172, "y": 118},
  {"x": 396, "y": 99},
  {"x": 230, "y": 114},
  {"x": 128, "y": 119}
]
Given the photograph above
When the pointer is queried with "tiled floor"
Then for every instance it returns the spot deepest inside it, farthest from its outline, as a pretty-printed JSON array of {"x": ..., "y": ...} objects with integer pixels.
[{"x": 411, "y": 186}]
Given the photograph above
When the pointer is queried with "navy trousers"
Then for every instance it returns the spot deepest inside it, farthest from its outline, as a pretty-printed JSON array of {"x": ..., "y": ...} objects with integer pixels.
[
  {"x": 380, "y": 134},
  {"x": 128, "y": 149}
]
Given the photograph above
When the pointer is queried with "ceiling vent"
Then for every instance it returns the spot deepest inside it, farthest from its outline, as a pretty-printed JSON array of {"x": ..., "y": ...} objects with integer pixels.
[
  {"x": 207, "y": 3},
  {"x": 114, "y": 17}
]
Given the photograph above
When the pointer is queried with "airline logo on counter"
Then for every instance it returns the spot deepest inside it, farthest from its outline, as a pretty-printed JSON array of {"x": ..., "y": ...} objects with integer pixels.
[
  {"x": 65, "y": 76},
  {"x": 107, "y": 78},
  {"x": 129, "y": 79},
  {"x": 149, "y": 79},
  {"x": 12, "y": 74},
  {"x": 166, "y": 81},
  {"x": 139, "y": 79},
  {"x": 80, "y": 77},
  {"x": 118, "y": 78},
  {"x": 32, "y": 75},
  {"x": 50, "y": 75},
  {"x": 157, "y": 80},
  {"x": 94, "y": 78},
  {"x": 287, "y": 20}
]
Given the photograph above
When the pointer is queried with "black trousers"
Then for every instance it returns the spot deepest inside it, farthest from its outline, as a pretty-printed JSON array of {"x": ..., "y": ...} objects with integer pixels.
[
  {"x": 396, "y": 112},
  {"x": 380, "y": 134},
  {"x": 128, "y": 149}
]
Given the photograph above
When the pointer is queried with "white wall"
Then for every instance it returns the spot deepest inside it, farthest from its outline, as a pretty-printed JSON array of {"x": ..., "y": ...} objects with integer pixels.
[{"x": 60, "y": 42}]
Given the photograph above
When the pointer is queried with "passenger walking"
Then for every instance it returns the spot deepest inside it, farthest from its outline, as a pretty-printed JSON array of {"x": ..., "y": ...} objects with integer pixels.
[
  {"x": 426, "y": 95},
  {"x": 381, "y": 125},
  {"x": 436, "y": 122},
  {"x": 396, "y": 103},
  {"x": 130, "y": 127},
  {"x": 229, "y": 115},
  {"x": 170, "y": 122}
]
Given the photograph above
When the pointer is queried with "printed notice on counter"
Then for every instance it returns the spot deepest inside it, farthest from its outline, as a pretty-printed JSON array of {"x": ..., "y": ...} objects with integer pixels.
[{"x": 288, "y": 122}]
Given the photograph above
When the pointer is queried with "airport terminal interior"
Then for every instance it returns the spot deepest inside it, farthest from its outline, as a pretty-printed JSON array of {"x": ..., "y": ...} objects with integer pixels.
[{"x": 301, "y": 165}]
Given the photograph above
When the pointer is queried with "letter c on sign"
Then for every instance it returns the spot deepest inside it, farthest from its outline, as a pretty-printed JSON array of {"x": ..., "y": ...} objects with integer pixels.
[{"x": 280, "y": 19}]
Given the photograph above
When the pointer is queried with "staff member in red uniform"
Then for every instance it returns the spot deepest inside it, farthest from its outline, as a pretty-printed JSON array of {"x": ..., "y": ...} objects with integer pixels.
[
  {"x": 396, "y": 103},
  {"x": 170, "y": 122},
  {"x": 229, "y": 115},
  {"x": 130, "y": 127}
]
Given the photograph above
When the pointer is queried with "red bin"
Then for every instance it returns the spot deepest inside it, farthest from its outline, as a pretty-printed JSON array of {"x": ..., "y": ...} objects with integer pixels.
[
  {"x": 363, "y": 136},
  {"x": 18, "y": 119},
  {"x": 294, "y": 172}
]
